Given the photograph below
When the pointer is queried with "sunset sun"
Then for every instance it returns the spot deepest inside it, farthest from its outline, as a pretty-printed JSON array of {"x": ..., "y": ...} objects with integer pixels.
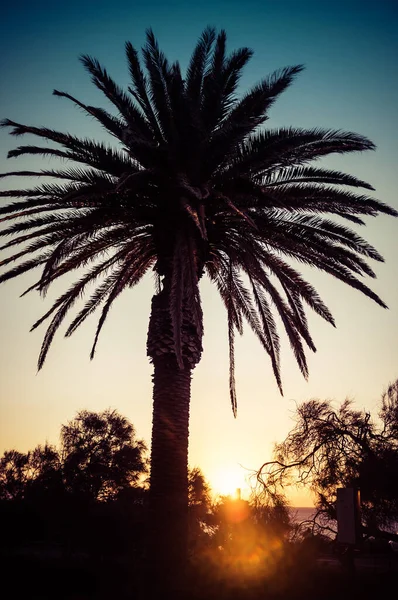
[{"x": 226, "y": 481}]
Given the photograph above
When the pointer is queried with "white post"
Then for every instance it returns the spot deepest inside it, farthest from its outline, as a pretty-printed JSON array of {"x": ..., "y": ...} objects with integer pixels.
[{"x": 348, "y": 516}]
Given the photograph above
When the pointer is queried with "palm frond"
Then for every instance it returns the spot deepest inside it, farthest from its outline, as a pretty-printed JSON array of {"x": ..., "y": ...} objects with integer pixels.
[
  {"x": 115, "y": 126},
  {"x": 291, "y": 279},
  {"x": 318, "y": 198},
  {"x": 140, "y": 91},
  {"x": 159, "y": 77},
  {"x": 97, "y": 155},
  {"x": 296, "y": 306},
  {"x": 343, "y": 273},
  {"x": 66, "y": 301},
  {"x": 220, "y": 84},
  {"x": 108, "y": 241},
  {"x": 288, "y": 320},
  {"x": 271, "y": 149},
  {"x": 218, "y": 271},
  {"x": 73, "y": 174},
  {"x": 270, "y": 330},
  {"x": 101, "y": 292},
  {"x": 31, "y": 248},
  {"x": 43, "y": 151},
  {"x": 248, "y": 114},
  {"x": 212, "y": 88},
  {"x": 231, "y": 74},
  {"x": 289, "y": 237},
  {"x": 132, "y": 271},
  {"x": 28, "y": 265},
  {"x": 310, "y": 174},
  {"x": 198, "y": 65},
  {"x": 117, "y": 96}
]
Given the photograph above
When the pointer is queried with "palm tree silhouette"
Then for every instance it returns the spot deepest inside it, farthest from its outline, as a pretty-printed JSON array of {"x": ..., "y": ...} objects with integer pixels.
[{"x": 194, "y": 185}]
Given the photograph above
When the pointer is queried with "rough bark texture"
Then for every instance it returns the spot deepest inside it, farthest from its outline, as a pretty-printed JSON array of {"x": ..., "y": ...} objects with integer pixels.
[
  {"x": 168, "y": 496},
  {"x": 160, "y": 334}
]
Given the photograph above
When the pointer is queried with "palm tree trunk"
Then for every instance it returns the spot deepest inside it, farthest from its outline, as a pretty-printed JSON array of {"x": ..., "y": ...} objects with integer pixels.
[{"x": 168, "y": 496}]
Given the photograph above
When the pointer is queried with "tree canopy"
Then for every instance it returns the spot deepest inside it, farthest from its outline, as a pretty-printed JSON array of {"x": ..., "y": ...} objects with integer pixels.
[
  {"x": 99, "y": 456},
  {"x": 341, "y": 447},
  {"x": 194, "y": 183}
]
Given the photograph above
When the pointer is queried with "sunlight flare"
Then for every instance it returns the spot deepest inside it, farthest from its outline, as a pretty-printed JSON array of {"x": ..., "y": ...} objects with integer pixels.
[{"x": 228, "y": 480}]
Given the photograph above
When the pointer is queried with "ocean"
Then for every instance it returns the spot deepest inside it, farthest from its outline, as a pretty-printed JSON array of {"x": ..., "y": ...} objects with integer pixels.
[{"x": 302, "y": 513}]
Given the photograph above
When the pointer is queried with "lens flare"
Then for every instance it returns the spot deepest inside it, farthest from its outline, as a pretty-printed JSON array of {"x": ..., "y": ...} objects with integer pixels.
[{"x": 246, "y": 549}]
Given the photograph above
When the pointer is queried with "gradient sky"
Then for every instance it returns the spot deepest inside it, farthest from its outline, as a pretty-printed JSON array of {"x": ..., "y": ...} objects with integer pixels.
[{"x": 350, "y": 50}]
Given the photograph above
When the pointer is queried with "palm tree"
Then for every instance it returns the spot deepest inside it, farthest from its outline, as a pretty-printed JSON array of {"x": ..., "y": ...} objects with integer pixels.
[{"x": 194, "y": 185}]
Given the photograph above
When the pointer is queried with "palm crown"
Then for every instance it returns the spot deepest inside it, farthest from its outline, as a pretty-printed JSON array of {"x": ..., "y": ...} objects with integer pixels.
[{"x": 194, "y": 185}]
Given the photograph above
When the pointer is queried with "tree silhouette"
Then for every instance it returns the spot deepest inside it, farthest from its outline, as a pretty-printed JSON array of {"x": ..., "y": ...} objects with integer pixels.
[
  {"x": 330, "y": 448},
  {"x": 195, "y": 185},
  {"x": 20, "y": 472},
  {"x": 101, "y": 455},
  {"x": 87, "y": 497}
]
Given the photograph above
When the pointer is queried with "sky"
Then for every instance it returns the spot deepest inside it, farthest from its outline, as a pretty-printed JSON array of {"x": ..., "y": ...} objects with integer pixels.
[{"x": 350, "y": 51}]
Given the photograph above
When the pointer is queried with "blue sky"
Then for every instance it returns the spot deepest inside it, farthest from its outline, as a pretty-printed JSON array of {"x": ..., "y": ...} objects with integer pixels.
[{"x": 350, "y": 53}]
